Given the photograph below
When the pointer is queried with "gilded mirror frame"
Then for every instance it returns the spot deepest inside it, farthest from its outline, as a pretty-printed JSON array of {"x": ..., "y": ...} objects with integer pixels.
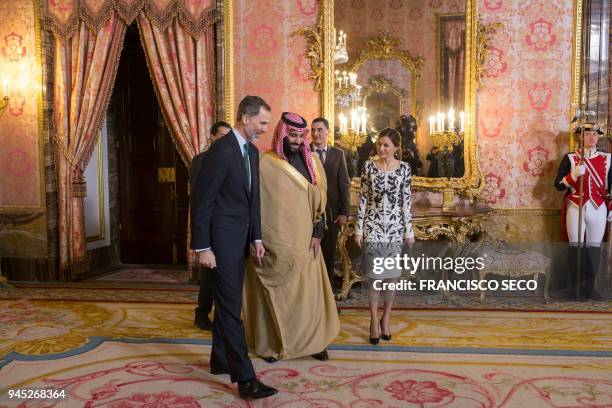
[
  {"x": 385, "y": 48},
  {"x": 472, "y": 183},
  {"x": 382, "y": 85}
]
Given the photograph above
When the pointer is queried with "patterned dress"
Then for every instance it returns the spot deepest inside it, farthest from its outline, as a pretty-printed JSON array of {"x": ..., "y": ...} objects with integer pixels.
[{"x": 385, "y": 217}]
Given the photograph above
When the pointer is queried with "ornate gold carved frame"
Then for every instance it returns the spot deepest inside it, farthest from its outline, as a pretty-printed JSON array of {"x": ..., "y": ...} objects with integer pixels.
[
  {"x": 472, "y": 182},
  {"x": 384, "y": 47},
  {"x": 228, "y": 59},
  {"x": 382, "y": 85}
]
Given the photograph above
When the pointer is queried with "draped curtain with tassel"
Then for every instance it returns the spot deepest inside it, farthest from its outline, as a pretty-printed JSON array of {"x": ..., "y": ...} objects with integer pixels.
[
  {"x": 85, "y": 68},
  {"x": 182, "y": 68},
  {"x": 88, "y": 35}
]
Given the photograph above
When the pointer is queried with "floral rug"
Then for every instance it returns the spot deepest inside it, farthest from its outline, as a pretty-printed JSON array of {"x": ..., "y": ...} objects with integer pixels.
[
  {"x": 122, "y": 355},
  {"x": 124, "y": 375},
  {"x": 43, "y": 328}
]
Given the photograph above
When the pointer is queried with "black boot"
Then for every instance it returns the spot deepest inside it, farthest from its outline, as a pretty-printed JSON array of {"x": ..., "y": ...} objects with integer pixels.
[
  {"x": 572, "y": 272},
  {"x": 593, "y": 261}
]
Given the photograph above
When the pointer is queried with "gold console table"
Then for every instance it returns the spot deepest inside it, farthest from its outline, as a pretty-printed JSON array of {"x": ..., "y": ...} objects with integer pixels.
[{"x": 460, "y": 225}]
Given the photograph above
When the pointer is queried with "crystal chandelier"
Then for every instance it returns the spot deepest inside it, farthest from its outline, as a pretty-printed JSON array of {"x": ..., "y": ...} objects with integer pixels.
[
  {"x": 352, "y": 118},
  {"x": 340, "y": 53}
]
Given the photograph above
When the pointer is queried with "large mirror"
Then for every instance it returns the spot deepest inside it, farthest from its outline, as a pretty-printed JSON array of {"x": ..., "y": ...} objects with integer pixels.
[{"x": 410, "y": 66}]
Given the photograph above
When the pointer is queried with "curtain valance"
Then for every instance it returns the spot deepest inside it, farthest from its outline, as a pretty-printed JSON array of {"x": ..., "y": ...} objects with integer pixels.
[{"x": 62, "y": 17}]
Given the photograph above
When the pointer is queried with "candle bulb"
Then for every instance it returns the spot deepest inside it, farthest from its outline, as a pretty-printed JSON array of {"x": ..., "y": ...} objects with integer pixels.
[
  {"x": 442, "y": 120},
  {"x": 461, "y": 121},
  {"x": 5, "y": 87},
  {"x": 451, "y": 120},
  {"x": 364, "y": 119},
  {"x": 432, "y": 123},
  {"x": 583, "y": 99}
]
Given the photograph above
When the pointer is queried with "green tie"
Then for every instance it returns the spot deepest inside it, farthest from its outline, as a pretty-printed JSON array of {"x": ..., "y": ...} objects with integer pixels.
[{"x": 247, "y": 164}]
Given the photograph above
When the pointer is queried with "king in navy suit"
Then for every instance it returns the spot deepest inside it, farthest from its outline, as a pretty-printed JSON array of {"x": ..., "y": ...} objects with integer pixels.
[{"x": 225, "y": 225}]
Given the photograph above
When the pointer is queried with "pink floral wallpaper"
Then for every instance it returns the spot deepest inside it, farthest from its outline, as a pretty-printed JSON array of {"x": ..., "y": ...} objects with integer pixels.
[
  {"x": 272, "y": 63},
  {"x": 523, "y": 107},
  {"x": 20, "y": 161}
]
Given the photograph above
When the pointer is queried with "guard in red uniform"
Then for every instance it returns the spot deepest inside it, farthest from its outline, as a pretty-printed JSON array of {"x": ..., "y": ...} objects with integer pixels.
[{"x": 595, "y": 173}]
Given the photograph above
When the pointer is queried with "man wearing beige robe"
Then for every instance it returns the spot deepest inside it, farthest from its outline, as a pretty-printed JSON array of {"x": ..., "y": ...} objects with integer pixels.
[{"x": 289, "y": 308}]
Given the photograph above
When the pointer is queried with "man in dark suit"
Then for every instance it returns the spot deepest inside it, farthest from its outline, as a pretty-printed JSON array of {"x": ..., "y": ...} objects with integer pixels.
[
  {"x": 338, "y": 203},
  {"x": 225, "y": 223},
  {"x": 205, "y": 297}
]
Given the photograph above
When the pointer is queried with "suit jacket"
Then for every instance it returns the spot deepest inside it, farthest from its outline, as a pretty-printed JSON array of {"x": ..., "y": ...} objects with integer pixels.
[
  {"x": 224, "y": 213},
  {"x": 338, "y": 200},
  {"x": 196, "y": 163}
]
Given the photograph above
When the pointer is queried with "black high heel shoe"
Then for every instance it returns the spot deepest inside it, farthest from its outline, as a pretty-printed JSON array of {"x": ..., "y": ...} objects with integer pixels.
[
  {"x": 374, "y": 340},
  {"x": 383, "y": 336}
]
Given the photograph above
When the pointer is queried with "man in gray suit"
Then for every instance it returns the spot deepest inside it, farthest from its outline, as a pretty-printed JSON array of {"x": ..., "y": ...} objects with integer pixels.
[
  {"x": 338, "y": 203},
  {"x": 205, "y": 298}
]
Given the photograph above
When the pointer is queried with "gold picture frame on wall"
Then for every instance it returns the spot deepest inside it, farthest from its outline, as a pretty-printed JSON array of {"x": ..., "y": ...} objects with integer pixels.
[{"x": 472, "y": 183}]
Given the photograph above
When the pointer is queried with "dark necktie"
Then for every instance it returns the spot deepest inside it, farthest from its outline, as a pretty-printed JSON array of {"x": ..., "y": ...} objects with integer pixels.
[
  {"x": 321, "y": 153},
  {"x": 247, "y": 164}
]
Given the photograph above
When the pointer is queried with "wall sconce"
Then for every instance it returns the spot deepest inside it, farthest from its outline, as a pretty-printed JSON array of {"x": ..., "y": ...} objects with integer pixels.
[{"x": 5, "y": 99}]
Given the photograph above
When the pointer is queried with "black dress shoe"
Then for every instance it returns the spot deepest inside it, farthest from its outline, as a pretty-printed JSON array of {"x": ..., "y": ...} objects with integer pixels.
[
  {"x": 322, "y": 356},
  {"x": 255, "y": 389},
  {"x": 217, "y": 371},
  {"x": 270, "y": 359},
  {"x": 203, "y": 323}
]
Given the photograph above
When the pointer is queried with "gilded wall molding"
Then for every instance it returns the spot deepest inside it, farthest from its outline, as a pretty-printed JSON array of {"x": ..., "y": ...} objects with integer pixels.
[
  {"x": 228, "y": 60},
  {"x": 314, "y": 40},
  {"x": 576, "y": 66},
  {"x": 484, "y": 36},
  {"x": 543, "y": 212}
]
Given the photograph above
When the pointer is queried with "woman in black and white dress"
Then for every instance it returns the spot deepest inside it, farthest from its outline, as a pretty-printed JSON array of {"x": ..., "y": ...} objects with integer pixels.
[{"x": 384, "y": 222}]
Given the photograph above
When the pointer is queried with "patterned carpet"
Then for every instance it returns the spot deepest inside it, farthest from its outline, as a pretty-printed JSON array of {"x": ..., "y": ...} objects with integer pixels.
[
  {"x": 117, "y": 374},
  {"x": 154, "y": 274},
  {"x": 150, "y": 355},
  {"x": 188, "y": 294}
]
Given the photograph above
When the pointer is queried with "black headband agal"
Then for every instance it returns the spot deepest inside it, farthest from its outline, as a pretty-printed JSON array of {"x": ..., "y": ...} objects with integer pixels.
[{"x": 289, "y": 122}]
